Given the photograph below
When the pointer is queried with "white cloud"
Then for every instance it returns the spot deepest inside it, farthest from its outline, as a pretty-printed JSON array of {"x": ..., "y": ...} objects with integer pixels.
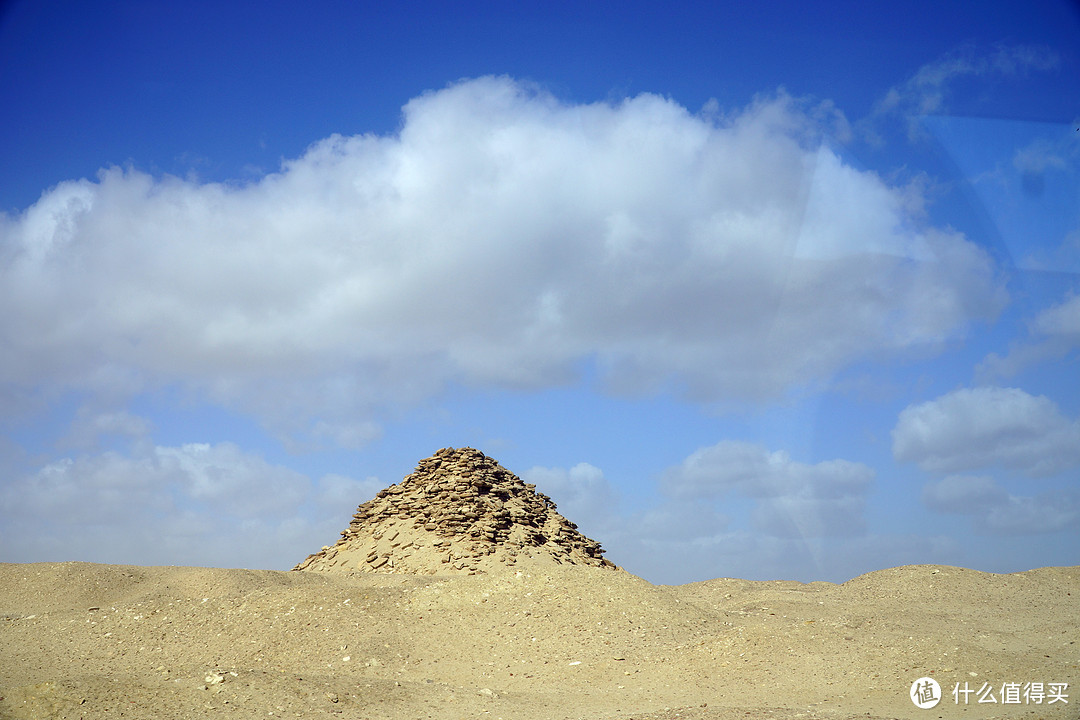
[
  {"x": 226, "y": 478},
  {"x": 996, "y": 511},
  {"x": 1062, "y": 320},
  {"x": 979, "y": 428},
  {"x": 753, "y": 471},
  {"x": 500, "y": 239},
  {"x": 793, "y": 499},
  {"x": 1044, "y": 513},
  {"x": 192, "y": 504},
  {"x": 1055, "y": 332}
]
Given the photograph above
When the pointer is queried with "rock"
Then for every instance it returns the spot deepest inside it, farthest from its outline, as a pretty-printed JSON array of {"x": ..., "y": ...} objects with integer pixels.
[{"x": 458, "y": 504}]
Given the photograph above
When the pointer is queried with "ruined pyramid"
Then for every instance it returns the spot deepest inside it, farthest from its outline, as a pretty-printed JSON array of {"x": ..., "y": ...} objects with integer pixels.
[{"x": 459, "y": 513}]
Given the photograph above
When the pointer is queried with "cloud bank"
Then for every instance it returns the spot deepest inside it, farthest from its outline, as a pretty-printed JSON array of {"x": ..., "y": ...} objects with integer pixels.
[
  {"x": 733, "y": 509},
  {"x": 501, "y": 238},
  {"x": 198, "y": 503},
  {"x": 995, "y": 511},
  {"x": 998, "y": 430},
  {"x": 792, "y": 499},
  {"x": 980, "y": 428},
  {"x": 1054, "y": 333}
]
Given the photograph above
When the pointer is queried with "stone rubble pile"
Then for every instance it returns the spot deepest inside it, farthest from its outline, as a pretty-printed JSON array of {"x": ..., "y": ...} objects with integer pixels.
[{"x": 460, "y": 512}]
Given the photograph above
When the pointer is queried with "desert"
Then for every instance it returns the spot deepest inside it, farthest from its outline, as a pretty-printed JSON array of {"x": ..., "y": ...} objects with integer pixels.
[
  {"x": 541, "y": 641},
  {"x": 539, "y": 360},
  {"x": 495, "y": 607}
]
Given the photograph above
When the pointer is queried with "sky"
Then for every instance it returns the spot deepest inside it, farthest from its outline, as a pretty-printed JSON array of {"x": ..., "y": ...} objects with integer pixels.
[{"x": 768, "y": 291}]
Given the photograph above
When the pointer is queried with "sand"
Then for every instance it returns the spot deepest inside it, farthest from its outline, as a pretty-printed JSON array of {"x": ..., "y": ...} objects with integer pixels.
[{"x": 539, "y": 640}]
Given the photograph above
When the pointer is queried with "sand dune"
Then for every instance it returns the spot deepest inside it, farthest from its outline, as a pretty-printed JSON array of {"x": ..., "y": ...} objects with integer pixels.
[{"x": 536, "y": 640}]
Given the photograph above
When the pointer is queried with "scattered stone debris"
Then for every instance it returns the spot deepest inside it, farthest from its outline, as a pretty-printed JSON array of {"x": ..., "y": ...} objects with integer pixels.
[{"x": 459, "y": 513}]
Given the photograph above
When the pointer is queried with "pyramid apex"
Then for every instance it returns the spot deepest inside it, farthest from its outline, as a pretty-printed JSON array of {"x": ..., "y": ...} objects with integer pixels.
[{"x": 459, "y": 512}]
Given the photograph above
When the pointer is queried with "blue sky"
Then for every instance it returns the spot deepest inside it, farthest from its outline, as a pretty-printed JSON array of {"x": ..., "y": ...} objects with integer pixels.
[{"x": 771, "y": 292}]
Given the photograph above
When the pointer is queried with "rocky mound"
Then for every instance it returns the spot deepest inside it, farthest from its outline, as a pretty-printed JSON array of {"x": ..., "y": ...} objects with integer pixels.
[{"x": 460, "y": 512}]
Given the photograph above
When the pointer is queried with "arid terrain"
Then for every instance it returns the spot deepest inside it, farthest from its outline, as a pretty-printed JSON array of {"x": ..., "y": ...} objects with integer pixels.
[
  {"x": 535, "y": 640},
  {"x": 461, "y": 592}
]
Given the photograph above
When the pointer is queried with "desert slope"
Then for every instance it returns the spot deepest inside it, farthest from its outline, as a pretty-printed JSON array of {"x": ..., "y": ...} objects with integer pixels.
[{"x": 540, "y": 640}]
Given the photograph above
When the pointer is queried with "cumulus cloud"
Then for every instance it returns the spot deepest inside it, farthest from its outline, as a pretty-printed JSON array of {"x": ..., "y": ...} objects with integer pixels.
[
  {"x": 500, "y": 238},
  {"x": 972, "y": 429},
  {"x": 751, "y": 470},
  {"x": 1054, "y": 333},
  {"x": 1061, "y": 320},
  {"x": 192, "y": 504},
  {"x": 994, "y": 510},
  {"x": 793, "y": 499}
]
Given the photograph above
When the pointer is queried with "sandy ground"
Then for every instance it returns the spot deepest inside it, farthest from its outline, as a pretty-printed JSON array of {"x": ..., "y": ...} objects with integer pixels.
[{"x": 80, "y": 640}]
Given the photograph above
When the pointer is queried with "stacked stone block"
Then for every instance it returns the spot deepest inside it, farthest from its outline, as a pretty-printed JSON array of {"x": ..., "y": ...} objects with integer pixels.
[{"x": 459, "y": 512}]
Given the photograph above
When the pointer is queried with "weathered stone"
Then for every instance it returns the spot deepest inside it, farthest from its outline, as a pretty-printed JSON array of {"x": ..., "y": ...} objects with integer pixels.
[{"x": 480, "y": 508}]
